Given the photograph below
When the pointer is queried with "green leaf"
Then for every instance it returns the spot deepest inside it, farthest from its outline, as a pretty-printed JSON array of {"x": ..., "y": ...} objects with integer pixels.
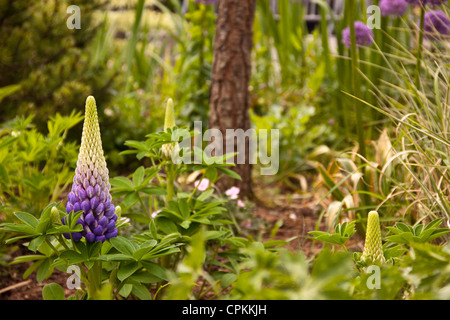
[
  {"x": 438, "y": 233},
  {"x": 72, "y": 257},
  {"x": 205, "y": 195},
  {"x": 211, "y": 174},
  {"x": 8, "y": 90},
  {"x": 93, "y": 248},
  {"x": 144, "y": 277},
  {"x": 4, "y": 175},
  {"x": 130, "y": 199},
  {"x": 115, "y": 257},
  {"x": 184, "y": 208},
  {"x": 402, "y": 227},
  {"x": 138, "y": 176},
  {"x": 229, "y": 173},
  {"x": 396, "y": 239},
  {"x": 141, "y": 292},
  {"x": 227, "y": 280},
  {"x": 123, "y": 245},
  {"x": 36, "y": 243},
  {"x": 166, "y": 225},
  {"x": 19, "y": 228},
  {"x": 434, "y": 224},
  {"x": 27, "y": 218},
  {"x": 31, "y": 257},
  {"x": 155, "y": 269},
  {"x": 126, "y": 290},
  {"x": 156, "y": 191},
  {"x": 33, "y": 267},
  {"x": 185, "y": 224},
  {"x": 127, "y": 269},
  {"x": 45, "y": 220},
  {"x": 73, "y": 220},
  {"x": 45, "y": 270},
  {"x": 418, "y": 229},
  {"x": 53, "y": 291},
  {"x": 122, "y": 182}
]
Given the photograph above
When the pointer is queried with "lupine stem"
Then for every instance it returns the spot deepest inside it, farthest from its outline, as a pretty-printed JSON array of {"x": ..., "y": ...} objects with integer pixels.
[
  {"x": 170, "y": 182},
  {"x": 94, "y": 278}
]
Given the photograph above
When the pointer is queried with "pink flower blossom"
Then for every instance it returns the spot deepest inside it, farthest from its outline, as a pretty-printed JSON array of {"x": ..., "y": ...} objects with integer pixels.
[
  {"x": 241, "y": 204},
  {"x": 202, "y": 185},
  {"x": 155, "y": 213},
  {"x": 233, "y": 192}
]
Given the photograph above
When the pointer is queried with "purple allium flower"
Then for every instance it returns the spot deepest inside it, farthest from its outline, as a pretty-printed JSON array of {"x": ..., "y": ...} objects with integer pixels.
[
  {"x": 364, "y": 36},
  {"x": 423, "y": 3},
  {"x": 393, "y": 7},
  {"x": 207, "y": 1},
  {"x": 90, "y": 188},
  {"x": 436, "y": 24}
]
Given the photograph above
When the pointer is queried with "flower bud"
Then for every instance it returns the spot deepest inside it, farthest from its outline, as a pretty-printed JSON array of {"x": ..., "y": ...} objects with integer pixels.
[{"x": 373, "y": 248}]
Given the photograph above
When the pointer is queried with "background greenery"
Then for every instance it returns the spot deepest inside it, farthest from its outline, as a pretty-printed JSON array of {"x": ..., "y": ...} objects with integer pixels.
[{"x": 378, "y": 143}]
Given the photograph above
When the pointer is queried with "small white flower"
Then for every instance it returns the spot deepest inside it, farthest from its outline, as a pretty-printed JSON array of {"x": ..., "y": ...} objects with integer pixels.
[
  {"x": 155, "y": 213},
  {"x": 233, "y": 192},
  {"x": 202, "y": 185}
]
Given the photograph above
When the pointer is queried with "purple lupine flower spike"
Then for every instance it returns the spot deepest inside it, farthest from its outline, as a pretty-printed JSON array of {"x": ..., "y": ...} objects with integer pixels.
[{"x": 90, "y": 189}]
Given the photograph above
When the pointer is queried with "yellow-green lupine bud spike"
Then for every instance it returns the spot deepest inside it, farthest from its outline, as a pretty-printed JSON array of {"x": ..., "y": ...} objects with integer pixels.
[
  {"x": 169, "y": 121},
  {"x": 91, "y": 158},
  {"x": 55, "y": 215},
  {"x": 373, "y": 247}
]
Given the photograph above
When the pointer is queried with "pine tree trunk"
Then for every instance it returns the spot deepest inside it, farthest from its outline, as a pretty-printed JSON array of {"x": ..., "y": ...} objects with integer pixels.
[{"x": 230, "y": 98}]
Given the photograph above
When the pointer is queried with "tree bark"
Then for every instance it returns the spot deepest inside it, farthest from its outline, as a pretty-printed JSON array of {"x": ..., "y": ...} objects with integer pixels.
[{"x": 231, "y": 72}]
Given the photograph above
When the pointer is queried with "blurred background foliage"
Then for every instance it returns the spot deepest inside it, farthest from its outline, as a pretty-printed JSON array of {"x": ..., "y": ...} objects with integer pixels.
[{"x": 133, "y": 54}]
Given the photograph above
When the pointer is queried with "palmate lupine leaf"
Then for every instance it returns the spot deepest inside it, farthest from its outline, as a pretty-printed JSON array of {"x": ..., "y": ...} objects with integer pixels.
[
  {"x": 403, "y": 234},
  {"x": 91, "y": 188}
]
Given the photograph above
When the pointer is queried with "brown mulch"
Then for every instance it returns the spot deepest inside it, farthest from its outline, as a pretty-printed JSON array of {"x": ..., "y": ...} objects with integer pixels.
[{"x": 14, "y": 287}]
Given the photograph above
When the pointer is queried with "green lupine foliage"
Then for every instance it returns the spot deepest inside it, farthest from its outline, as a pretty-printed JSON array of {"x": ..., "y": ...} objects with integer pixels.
[
  {"x": 51, "y": 77},
  {"x": 35, "y": 169},
  {"x": 373, "y": 248}
]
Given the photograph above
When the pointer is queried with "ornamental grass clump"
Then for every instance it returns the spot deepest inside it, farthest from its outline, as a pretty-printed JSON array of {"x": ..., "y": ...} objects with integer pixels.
[
  {"x": 373, "y": 248},
  {"x": 91, "y": 188}
]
